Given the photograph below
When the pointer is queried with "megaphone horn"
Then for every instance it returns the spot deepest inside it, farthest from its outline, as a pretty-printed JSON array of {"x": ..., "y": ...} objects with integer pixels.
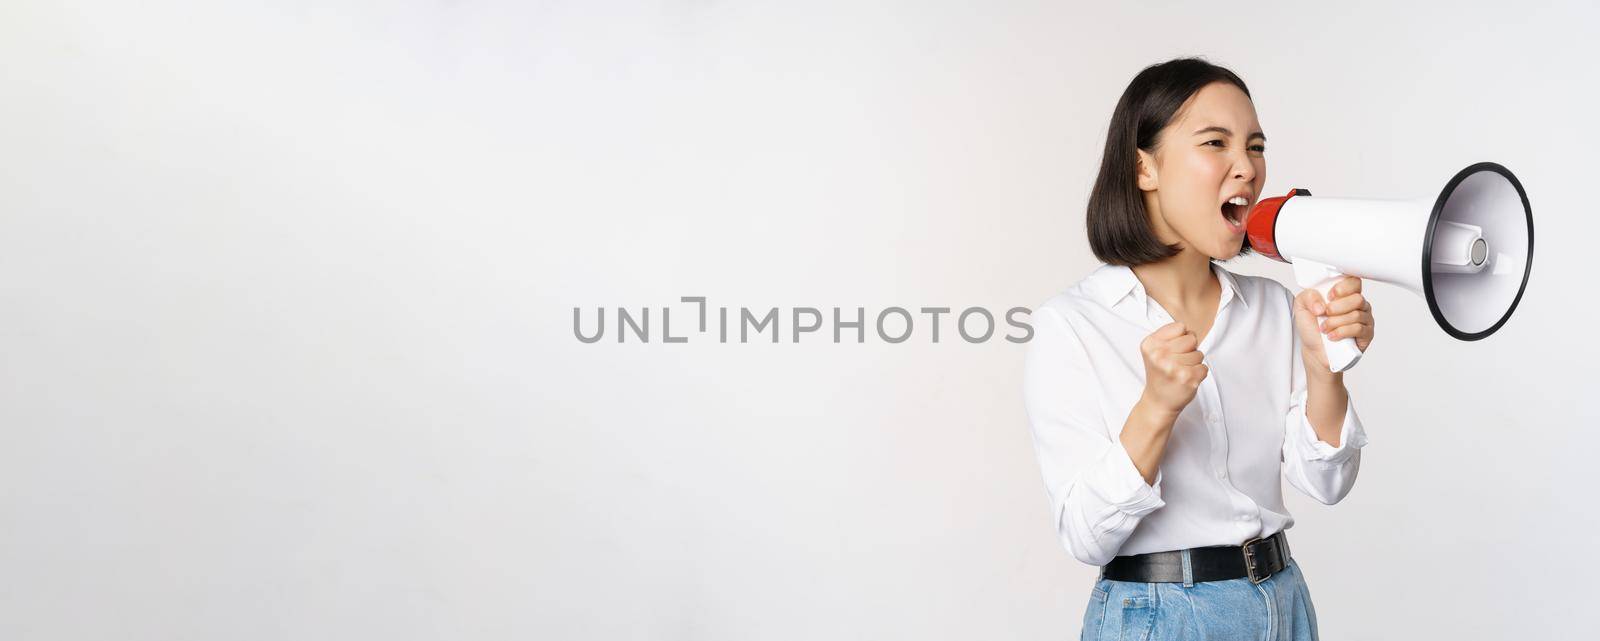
[{"x": 1474, "y": 240}]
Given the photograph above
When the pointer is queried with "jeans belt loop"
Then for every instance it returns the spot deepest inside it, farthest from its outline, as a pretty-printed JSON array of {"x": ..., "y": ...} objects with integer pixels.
[{"x": 1188, "y": 569}]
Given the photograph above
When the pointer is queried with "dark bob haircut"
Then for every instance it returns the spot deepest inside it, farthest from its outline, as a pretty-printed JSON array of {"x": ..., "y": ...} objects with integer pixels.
[{"x": 1119, "y": 226}]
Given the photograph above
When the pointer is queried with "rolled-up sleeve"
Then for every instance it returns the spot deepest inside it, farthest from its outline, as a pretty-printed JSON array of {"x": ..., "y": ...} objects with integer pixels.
[
  {"x": 1317, "y": 468},
  {"x": 1097, "y": 496}
]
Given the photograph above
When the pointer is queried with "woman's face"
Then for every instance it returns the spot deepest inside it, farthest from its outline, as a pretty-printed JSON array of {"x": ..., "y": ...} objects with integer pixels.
[{"x": 1213, "y": 152}]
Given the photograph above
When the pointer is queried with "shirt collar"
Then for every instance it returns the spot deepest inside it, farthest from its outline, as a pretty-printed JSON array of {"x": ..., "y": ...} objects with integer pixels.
[{"x": 1113, "y": 283}]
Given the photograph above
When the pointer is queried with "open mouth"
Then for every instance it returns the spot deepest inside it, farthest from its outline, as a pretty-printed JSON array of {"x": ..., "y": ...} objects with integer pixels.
[{"x": 1234, "y": 211}]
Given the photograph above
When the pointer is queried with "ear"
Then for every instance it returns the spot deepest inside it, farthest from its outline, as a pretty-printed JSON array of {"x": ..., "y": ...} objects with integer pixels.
[{"x": 1146, "y": 171}]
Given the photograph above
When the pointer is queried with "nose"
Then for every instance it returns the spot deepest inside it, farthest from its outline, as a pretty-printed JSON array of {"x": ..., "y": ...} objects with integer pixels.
[{"x": 1243, "y": 168}]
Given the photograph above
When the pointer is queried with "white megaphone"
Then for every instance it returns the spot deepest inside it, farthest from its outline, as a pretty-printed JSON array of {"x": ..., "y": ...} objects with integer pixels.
[{"x": 1467, "y": 251}]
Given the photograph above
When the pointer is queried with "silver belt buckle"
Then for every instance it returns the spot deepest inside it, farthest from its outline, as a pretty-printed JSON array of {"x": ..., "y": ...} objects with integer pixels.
[{"x": 1250, "y": 561}]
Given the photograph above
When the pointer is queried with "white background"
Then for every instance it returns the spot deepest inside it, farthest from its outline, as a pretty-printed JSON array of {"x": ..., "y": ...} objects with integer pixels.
[{"x": 286, "y": 313}]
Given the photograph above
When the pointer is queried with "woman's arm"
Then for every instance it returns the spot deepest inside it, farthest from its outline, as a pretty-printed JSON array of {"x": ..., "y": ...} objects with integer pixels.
[
  {"x": 1097, "y": 494},
  {"x": 1145, "y": 436},
  {"x": 1349, "y": 315},
  {"x": 1326, "y": 399},
  {"x": 1101, "y": 487},
  {"x": 1173, "y": 369},
  {"x": 1323, "y": 435}
]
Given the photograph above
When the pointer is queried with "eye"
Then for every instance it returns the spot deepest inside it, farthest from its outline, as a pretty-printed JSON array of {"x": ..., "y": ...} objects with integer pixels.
[
  {"x": 1258, "y": 148},
  {"x": 1217, "y": 142}
]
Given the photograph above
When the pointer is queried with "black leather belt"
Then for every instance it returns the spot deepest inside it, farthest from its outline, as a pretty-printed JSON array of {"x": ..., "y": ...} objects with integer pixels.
[{"x": 1256, "y": 560}]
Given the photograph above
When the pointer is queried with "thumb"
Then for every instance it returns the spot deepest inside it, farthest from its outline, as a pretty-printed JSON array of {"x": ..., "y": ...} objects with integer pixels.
[
  {"x": 1170, "y": 330},
  {"x": 1306, "y": 325},
  {"x": 1311, "y": 301}
]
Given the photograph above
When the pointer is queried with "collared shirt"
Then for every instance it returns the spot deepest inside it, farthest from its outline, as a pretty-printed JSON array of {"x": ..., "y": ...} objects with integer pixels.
[{"x": 1218, "y": 481}]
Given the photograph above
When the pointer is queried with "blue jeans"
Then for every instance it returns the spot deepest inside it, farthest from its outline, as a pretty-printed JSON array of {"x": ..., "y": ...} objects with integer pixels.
[{"x": 1277, "y": 609}]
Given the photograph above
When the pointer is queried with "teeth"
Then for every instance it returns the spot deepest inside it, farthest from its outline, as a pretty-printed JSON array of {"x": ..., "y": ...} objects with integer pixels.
[{"x": 1238, "y": 200}]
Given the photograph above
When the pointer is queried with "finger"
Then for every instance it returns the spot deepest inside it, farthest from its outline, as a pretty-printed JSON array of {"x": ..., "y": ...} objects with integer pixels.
[
  {"x": 1345, "y": 287},
  {"x": 1351, "y": 330},
  {"x": 1170, "y": 331},
  {"x": 1345, "y": 304},
  {"x": 1303, "y": 309},
  {"x": 1188, "y": 358},
  {"x": 1182, "y": 344},
  {"x": 1335, "y": 322},
  {"x": 1308, "y": 297},
  {"x": 1157, "y": 340},
  {"x": 1310, "y": 300}
]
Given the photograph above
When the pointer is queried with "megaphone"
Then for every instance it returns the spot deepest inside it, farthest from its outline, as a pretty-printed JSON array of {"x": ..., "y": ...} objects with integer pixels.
[{"x": 1474, "y": 240}]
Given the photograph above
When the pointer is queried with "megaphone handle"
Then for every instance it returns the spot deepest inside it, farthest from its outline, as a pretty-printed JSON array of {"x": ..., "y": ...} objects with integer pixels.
[{"x": 1342, "y": 353}]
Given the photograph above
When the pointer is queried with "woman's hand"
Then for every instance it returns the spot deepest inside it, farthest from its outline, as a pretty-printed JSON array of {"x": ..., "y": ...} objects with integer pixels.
[
  {"x": 1349, "y": 315},
  {"x": 1172, "y": 367}
]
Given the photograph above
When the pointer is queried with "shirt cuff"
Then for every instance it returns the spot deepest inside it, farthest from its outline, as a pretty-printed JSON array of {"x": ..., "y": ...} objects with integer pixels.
[
  {"x": 1351, "y": 435},
  {"x": 1129, "y": 492}
]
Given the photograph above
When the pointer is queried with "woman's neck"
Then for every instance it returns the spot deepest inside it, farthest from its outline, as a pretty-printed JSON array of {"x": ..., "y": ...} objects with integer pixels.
[{"x": 1182, "y": 282}]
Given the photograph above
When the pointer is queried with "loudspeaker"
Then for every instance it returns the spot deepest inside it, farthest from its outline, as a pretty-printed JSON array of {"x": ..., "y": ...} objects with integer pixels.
[{"x": 1467, "y": 251}]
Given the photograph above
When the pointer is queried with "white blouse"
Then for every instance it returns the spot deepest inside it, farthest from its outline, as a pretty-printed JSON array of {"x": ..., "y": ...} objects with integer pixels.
[{"x": 1218, "y": 483}]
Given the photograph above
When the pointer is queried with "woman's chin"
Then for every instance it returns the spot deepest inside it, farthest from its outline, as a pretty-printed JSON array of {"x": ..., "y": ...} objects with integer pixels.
[{"x": 1227, "y": 251}]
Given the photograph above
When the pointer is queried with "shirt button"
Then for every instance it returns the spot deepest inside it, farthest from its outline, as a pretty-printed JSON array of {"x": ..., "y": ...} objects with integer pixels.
[{"x": 1221, "y": 474}]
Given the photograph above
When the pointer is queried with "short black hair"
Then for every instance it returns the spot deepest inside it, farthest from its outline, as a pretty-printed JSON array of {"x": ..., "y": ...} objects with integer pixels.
[{"x": 1118, "y": 225}]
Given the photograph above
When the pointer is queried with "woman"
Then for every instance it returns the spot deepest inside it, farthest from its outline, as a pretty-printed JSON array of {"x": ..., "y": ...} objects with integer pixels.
[{"x": 1167, "y": 395}]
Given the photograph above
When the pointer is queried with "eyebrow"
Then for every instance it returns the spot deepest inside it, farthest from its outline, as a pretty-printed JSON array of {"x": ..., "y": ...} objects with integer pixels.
[{"x": 1224, "y": 131}]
